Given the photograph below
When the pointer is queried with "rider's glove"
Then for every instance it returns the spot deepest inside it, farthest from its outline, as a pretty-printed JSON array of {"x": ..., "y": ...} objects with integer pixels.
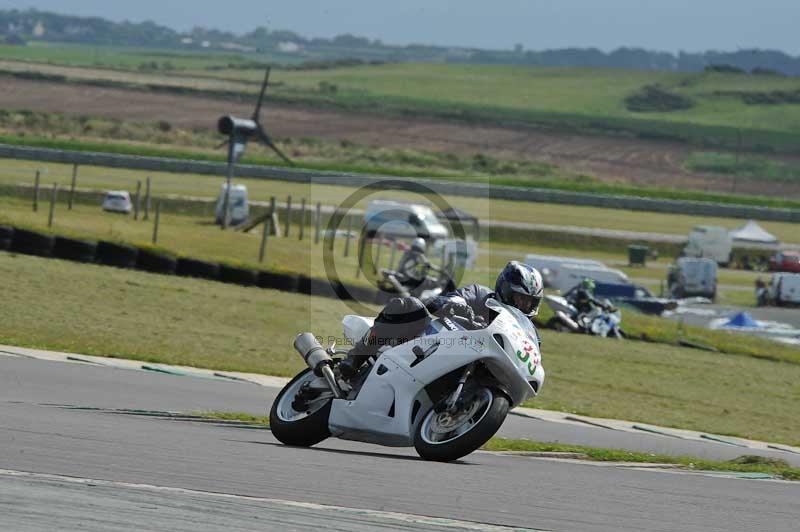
[{"x": 459, "y": 309}]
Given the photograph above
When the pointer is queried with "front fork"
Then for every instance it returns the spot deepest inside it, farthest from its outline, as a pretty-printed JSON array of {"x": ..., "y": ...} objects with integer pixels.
[{"x": 453, "y": 402}]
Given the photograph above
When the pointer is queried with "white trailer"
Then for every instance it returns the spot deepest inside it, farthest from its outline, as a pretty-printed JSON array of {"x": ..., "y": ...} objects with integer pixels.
[
  {"x": 570, "y": 275},
  {"x": 550, "y": 266}
]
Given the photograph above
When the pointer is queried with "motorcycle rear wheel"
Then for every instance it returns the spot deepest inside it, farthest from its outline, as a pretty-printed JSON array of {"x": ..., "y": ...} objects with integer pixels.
[
  {"x": 445, "y": 437},
  {"x": 299, "y": 429}
]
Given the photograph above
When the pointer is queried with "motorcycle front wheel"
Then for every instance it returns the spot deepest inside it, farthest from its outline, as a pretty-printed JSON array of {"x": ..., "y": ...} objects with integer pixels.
[
  {"x": 447, "y": 436},
  {"x": 299, "y": 428}
]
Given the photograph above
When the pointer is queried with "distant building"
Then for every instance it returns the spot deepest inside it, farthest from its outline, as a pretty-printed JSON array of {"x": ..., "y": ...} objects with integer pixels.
[
  {"x": 206, "y": 44},
  {"x": 38, "y": 30},
  {"x": 289, "y": 47},
  {"x": 236, "y": 47},
  {"x": 187, "y": 40}
]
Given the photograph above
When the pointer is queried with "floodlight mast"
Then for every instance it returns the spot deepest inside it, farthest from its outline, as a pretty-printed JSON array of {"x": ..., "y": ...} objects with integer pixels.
[{"x": 239, "y": 131}]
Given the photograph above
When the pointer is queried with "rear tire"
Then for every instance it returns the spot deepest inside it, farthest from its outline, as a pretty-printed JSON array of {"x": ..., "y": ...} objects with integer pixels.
[
  {"x": 485, "y": 423},
  {"x": 303, "y": 431}
]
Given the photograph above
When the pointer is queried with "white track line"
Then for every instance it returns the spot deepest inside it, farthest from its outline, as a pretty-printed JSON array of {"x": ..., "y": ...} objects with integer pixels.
[
  {"x": 280, "y": 382},
  {"x": 390, "y": 516}
]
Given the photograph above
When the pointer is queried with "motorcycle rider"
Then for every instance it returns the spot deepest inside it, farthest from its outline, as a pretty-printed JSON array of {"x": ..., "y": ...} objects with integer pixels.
[
  {"x": 583, "y": 299},
  {"x": 403, "y": 319},
  {"x": 414, "y": 266}
]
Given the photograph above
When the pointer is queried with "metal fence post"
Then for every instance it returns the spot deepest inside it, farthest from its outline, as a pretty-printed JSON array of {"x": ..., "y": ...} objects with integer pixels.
[
  {"x": 348, "y": 236},
  {"x": 360, "y": 265},
  {"x": 36, "y": 191},
  {"x": 302, "y": 219},
  {"x": 72, "y": 185},
  {"x": 155, "y": 224},
  {"x": 137, "y": 203},
  {"x": 263, "y": 248},
  {"x": 53, "y": 196},
  {"x": 147, "y": 199},
  {"x": 288, "y": 216}
]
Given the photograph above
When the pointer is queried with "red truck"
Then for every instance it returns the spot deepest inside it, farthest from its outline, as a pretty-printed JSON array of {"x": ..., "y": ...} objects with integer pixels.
[{"x": 785, "y": 261}]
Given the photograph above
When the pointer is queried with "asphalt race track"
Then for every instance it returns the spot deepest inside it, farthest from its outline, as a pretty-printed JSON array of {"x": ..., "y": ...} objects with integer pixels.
[{"x": 80, "y": 449}]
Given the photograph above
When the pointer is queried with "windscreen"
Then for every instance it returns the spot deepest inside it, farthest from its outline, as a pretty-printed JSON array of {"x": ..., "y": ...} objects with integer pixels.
[{"x": 522, "y": 320}]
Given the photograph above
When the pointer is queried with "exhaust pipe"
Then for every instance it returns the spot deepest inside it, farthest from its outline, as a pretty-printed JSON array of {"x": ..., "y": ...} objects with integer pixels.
[
  {"x": 312, "y": 352},
  {"x": 317, "y": 359},
  {"x": 569, "y": 322}
]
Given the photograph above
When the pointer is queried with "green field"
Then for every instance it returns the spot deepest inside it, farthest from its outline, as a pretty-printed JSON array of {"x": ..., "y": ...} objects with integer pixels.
[
  {"x": 13, "y": 172},
  {"x": 577, "y": 99},
  {"x": 132, "y": 58},
  {"x": 197, "y": 237},
  {"x": 107, "y": 311},
  {"x": 87, "y": 133},
  {"x": 745, "y": 167}
]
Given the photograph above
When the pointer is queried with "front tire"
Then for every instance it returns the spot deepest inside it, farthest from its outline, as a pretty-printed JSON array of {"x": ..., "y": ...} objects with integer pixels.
[
  {"x": 446, "y": 437},
  {"x": 299, "y": 429}
]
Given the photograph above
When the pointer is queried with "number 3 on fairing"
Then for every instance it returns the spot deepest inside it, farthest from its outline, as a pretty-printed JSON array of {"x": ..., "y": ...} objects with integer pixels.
[{"x": 525, "y": 357}]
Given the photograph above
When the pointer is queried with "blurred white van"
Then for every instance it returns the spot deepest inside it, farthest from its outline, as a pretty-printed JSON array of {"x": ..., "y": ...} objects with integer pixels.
[
  {"x": 693, "y": 277},
  {"x": 784, "y": 289},
  {"x": 238, "y": 207},
  {"x": 710, "y": 242}
]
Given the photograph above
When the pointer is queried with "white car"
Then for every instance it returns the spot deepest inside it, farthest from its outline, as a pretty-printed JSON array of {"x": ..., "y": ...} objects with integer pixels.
[
  {"x": 117, "y": 201},
  {"x": 394, "y": 219}
]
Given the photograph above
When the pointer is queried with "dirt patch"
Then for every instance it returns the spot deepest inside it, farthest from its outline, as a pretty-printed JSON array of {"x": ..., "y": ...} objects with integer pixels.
[{"x": 633, "y": 161}]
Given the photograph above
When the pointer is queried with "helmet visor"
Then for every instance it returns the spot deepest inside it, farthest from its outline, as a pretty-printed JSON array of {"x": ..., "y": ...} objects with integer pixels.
[{"x": 527, "y": 304}]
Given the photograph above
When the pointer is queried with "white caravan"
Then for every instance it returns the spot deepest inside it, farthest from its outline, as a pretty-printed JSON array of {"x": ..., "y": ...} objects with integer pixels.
[
  {"x": 571, "y": 275},
  {"x": 709, "y": 242},
  {"x": 550, "y": 266}
]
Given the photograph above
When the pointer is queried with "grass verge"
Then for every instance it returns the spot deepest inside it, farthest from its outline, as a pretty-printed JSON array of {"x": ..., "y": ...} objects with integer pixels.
[
  {"x": 244, "y": 417},
  {"x": 480, "y": 169},
  {"x": 95, "y": 310},
  {"x": 744, "y": 464},
  {"x": 14, "y": 172}
]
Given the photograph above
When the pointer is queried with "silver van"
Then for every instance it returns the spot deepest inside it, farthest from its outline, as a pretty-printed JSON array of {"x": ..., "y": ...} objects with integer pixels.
[{"x": 693, "y": 277}]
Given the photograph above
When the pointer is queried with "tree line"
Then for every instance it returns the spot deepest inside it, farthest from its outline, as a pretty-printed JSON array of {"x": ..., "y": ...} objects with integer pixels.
[{"x": 17, "y": 26}]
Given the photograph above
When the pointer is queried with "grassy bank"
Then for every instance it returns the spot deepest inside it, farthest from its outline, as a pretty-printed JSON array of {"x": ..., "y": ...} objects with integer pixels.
[
  {"x": 581, "y": 100},
  {"x": 743, "y": 464},
  {"x": 744, "y": 167},
  {"x": 106, "y": 311}
]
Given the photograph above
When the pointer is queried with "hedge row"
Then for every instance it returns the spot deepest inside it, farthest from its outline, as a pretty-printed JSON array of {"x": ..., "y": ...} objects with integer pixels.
[{"x": 151, "y": 260}]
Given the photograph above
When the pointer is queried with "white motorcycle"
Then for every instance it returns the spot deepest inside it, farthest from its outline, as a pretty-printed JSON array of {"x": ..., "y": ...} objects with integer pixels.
[
  {"x": 444, "y": 393},
  {"x": 604, "y": 322}
]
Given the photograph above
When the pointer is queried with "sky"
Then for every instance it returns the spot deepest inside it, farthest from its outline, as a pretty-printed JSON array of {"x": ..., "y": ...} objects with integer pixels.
[{"x": 669, "y": 25}]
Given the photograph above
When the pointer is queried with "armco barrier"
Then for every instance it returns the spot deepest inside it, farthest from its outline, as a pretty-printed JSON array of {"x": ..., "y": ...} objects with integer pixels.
[
  {"x": 75, "y": 250},
  {"x": 6, "y": 236},
  {"x": 152, "y": 261},
  {"x": 440, "y": 187}
]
